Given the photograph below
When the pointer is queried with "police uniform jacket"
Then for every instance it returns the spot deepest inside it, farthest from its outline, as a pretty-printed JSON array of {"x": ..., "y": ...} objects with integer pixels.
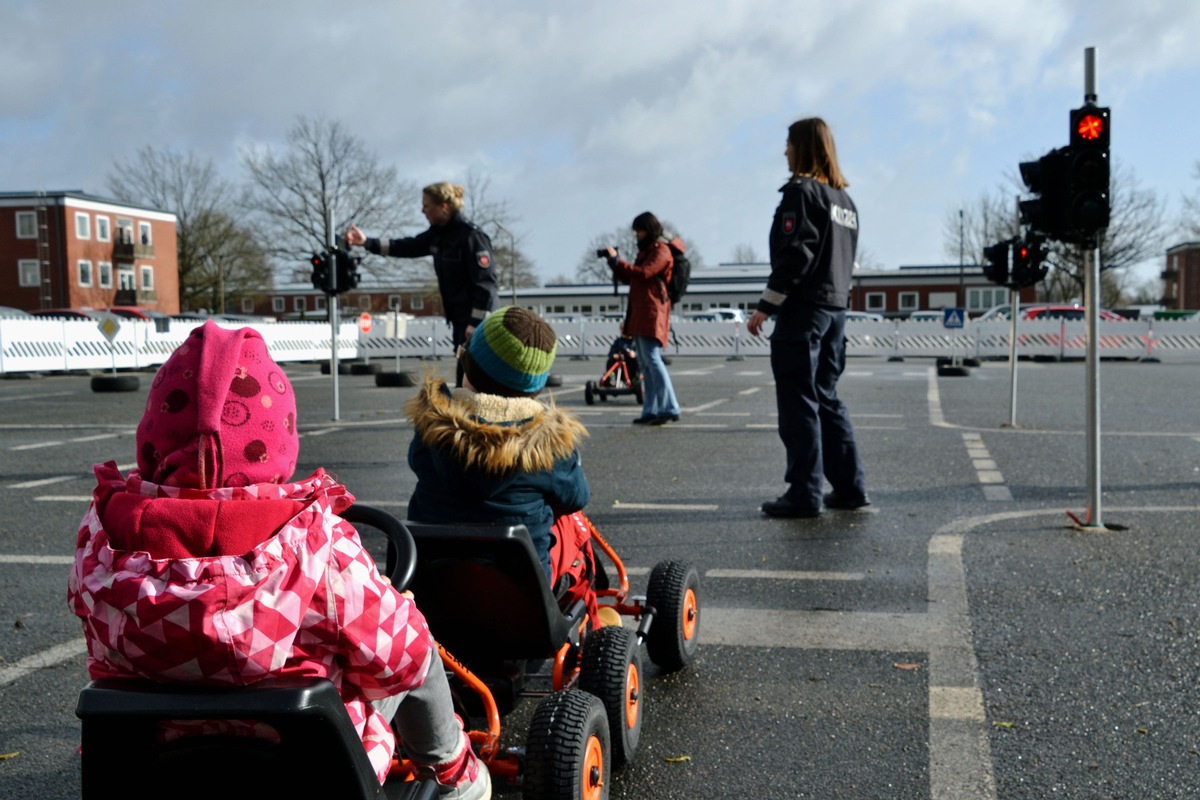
[
  {"x": 813, "y": 240},
  {"x": 462, "y": 260}
]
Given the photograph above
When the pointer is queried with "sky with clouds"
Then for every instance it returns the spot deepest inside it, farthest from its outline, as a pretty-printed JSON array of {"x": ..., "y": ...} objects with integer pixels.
[{"x": 583, "y": 114}]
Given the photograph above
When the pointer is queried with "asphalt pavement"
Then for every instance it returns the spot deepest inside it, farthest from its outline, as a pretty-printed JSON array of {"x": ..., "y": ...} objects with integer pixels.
[{"x": 961, "y": 638}]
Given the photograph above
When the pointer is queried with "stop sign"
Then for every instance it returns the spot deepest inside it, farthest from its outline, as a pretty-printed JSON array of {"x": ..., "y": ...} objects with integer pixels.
[{"x": 365, "y": 322}]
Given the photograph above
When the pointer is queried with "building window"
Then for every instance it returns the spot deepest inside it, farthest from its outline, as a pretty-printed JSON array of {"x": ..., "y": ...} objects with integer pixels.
[
  {"x": 395, "y": 302},
  {"x": 28, "y": 270},
  {"x": 104, "y": 269},
  {"x": 83, "y": 226},
  {"x": 147, "y": 277},
  {"x": 418, "y": 302},
  {"x": 125, "y": 277},
  {"x": 277, "y": 305},
  {"x": 144, "y": 233},
  {"x": 103, "y": 231},
  {"x": 319, "y": 302},
  {"x": 983, "y": 299},
  {"x": 85, "y": 273},
  {"x": 910, "y": 301},
  {"x": 26, "y": 225},
  {"x": 298, "y": 304},
  {"x": 247, "y": 305},
  {"x": 876, "y": 301},
  {"x": 124, "y": 231}
]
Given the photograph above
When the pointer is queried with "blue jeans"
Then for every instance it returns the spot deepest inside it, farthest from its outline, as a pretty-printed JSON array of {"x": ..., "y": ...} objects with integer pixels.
[
  {"x": 808, "y": 354},
  {"x": 658, "y": 395}
]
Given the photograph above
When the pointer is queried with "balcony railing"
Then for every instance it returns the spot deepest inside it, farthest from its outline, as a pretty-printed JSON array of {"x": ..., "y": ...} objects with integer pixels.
[
  {"x": 130, "y": 250},
  {"x": 134, "y": 297}
]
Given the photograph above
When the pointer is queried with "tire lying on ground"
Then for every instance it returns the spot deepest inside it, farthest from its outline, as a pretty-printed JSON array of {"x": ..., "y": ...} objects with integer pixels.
[
  {"x": 364, "y": 368},
  {"x": 115, "y": 383},
  {"x": 553, "y": 379},
  {"x": 395, "y": 379}
]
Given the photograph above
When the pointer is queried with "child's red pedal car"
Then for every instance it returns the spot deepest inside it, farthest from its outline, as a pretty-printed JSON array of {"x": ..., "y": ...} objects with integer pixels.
[
  {"x": 505, "y": 637},
  {"x": 621, "y": 374},
  {"x": 277, "y": 738}
]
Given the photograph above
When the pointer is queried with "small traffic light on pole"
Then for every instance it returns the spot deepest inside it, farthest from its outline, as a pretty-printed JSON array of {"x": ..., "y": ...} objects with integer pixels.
[
  {"x": 1087, "y": 173},
  {"x": 320, "y": 271},
  {"x": 1027, "y": 267},
  {"x": 995, "y": 267},
  {"x": 347, "y": 269}
]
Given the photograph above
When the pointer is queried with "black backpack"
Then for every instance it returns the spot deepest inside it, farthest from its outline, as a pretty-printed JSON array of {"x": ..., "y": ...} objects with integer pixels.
[{"x": 681, "y": 273}]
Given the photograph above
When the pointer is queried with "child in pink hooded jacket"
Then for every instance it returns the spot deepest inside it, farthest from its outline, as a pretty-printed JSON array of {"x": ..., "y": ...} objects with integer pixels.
[{"x": 208, "y": 564}]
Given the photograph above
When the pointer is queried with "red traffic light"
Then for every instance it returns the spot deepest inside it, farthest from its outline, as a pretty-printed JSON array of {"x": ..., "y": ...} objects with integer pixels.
[{"x": 1090, "y": 127}]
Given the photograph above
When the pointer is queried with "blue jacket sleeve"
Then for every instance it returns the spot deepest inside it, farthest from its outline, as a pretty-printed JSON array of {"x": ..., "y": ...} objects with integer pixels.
[{"x": 794, "y": 243}]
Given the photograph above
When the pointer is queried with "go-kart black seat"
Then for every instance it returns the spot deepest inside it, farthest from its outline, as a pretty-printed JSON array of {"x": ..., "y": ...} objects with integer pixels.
[
  {"x": 317, "y": 752},
  {"x": 485, "y": 595}
]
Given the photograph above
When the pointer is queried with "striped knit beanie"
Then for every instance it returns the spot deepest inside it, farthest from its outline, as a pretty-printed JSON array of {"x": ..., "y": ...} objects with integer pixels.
[{"x": 510, "y": 353}]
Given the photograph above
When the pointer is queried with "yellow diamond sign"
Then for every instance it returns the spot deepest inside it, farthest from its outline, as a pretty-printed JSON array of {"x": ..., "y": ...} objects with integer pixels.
[{"x": 109, "y": 327}]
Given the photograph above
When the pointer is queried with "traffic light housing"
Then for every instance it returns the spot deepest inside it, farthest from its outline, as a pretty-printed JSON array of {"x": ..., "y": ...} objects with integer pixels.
[
  {"x": 1087, "y": 173},
  {"x": 347, "y": 269},
  {"x": 995, "y": 257},
  {"x": 320, "y": 271},
  {"x": 1045, "y": 212},
  {"x": 1027, "y": 261}
]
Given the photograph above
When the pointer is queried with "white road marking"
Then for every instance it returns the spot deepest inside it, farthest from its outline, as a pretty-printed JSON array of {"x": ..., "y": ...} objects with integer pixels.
[
  {"x": 617, "y": 504},
  {"x": 783, "y": 575},
  {"x": 42, "y": 482},
  {"x": 37, "y": 445},
  {"x": 751, "y": 390},
  {"x": 55, "y": 560},
  {"x": 47, "y": 658},
  {"x": 63, "y": 498}
]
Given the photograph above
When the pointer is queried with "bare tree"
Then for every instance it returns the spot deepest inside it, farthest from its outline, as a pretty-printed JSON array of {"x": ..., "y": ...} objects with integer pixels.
[
  {"x": 745, "y": 253},
  {"x": 207, "y": 233},
  {"x": 496, "y": 218},
  {"x": 1134, "y": 234},
  {"x": 595, "y": 270},
  {"x": 325, "y": 169},
  {"x": 1191, "y": 208}
]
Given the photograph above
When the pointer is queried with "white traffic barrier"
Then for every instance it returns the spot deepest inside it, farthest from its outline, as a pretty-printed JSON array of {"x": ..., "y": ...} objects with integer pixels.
[{"x": 57, "y": 345}]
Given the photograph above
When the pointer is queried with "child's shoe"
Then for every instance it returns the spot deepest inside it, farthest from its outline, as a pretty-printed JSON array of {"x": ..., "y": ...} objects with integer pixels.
[{"x": 462, "y": 778}]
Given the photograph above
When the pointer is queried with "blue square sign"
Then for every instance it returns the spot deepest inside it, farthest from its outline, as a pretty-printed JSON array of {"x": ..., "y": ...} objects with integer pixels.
[{"x": 953, "y": 317}]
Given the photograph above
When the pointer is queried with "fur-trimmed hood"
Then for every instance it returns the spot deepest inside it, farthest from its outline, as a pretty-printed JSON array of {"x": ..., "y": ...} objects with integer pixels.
[{"x": 493, "y": 434}]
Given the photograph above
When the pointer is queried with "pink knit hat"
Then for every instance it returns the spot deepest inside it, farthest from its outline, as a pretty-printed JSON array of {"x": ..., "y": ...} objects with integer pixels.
[{"x": 220, "y": 413}]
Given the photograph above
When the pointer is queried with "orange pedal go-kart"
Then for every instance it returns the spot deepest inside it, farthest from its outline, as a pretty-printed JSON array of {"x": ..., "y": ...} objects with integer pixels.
[
  {"x": 621, "y": 374},
  {"x": 505, "y": 637}
]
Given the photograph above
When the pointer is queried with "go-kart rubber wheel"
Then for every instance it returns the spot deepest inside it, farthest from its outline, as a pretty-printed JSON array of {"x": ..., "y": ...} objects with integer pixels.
[
  {"x": 637, "y": 393},
  {"x": 612, "y": 670},
  {"x": 603, "y": 394},
  {"x": 554, "y": 379},
  {"x": 673, "y": 592},
  {"x": 402, "y": 378},
  {"x": 364, "y": 368},
  {"x": 567, "y": 749},
  {"x": 589, "y": 393},
  {"x": 115, "y": 383}
]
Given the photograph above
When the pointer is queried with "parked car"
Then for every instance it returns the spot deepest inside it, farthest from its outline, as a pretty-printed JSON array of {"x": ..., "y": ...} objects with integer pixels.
[
  {"x": 137, "y": 312},
  {"x": 716, "y": 315},
  {"x": 863, "y": 316},
  {"x": 926, "y": 316},
  {"x": 66, "y": 313},
  {"x": 1067, "y": 312},
  {"x": 8, "y": 312}
]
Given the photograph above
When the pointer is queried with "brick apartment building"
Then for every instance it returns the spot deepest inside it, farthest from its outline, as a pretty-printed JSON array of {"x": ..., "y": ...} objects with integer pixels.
[
  {"x": 1181, "y": 278},
  {"x": 74, "y": 250}
]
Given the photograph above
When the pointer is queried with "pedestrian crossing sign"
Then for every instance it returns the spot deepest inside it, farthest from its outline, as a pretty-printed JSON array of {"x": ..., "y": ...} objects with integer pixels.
[{"x": 953, "y": 317}]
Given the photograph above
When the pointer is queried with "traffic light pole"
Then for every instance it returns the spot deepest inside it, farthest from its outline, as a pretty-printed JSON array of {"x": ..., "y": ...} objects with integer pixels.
[
  {"x": 1014, "y": 304},
  {"x": 333, "y": 318},
  {"x": 1095, "y": 518}
]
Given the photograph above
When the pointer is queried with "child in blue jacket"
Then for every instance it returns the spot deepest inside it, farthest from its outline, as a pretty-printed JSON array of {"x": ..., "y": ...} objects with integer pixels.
[{"x": 491, "y": 452}]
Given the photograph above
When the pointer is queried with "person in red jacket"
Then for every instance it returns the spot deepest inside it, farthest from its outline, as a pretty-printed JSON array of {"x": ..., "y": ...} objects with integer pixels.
[
  {"x": 649, "y": 317},
  {"x": 209, "y": 564}
]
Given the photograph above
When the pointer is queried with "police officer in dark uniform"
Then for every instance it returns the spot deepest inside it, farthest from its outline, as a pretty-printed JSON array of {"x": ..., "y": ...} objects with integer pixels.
[
  {"x": 813, "y": 241},
  {"x": 462, "y": 259}
]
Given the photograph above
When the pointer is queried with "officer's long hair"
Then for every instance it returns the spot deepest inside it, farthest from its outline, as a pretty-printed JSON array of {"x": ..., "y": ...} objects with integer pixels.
[{"x": 814, "y": 153}]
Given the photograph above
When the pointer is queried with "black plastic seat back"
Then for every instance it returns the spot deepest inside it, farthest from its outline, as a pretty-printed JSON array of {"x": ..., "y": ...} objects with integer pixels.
[
  {"x": 317, "y": 751},
  {"x": 484, "y": 593}
]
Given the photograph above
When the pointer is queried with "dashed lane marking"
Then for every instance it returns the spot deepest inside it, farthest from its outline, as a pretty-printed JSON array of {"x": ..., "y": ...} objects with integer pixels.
[{"x": 47, "y": 658}]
